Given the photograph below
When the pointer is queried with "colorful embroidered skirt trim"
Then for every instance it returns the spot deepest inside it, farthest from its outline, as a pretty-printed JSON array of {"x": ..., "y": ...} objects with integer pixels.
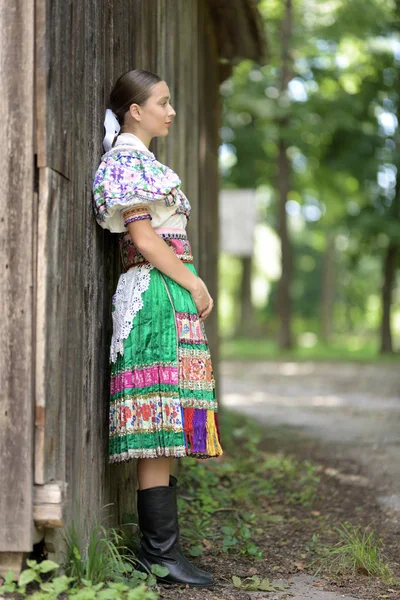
[{"x": 163, "y": 389}]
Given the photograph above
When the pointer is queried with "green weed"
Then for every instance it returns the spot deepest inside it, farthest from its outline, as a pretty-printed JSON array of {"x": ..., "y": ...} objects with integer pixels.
[
  {"x": 357, "y": 551},
  {"x": 103, "y": 558},
  {"x": 53, "y": 586}
]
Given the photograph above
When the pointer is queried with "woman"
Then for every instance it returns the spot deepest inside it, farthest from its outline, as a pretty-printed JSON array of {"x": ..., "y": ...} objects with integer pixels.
[{"x": 163, "y": 403}]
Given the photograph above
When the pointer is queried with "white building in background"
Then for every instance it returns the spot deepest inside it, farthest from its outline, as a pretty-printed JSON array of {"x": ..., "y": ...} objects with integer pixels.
[{"x": 238, "y": 218}]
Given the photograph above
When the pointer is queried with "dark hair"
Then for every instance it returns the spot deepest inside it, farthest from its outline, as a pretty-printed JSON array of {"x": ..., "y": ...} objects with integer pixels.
[{"x": 132, "y": 87}]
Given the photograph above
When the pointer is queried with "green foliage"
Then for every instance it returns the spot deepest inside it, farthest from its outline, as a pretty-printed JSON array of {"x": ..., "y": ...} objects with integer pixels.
[
  {"x": 357, "y": 551},
  {"x": 105, "y": 556},
  {"x": 98, "y": 566},
  {"x": 339, "y": 119},
  {"x": 70, "y": 587},
  {"x": 108, "y": 557}
]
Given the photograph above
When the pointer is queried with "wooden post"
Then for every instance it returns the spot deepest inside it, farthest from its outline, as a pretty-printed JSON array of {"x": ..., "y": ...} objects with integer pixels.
[{"x": 16, "y": 284}]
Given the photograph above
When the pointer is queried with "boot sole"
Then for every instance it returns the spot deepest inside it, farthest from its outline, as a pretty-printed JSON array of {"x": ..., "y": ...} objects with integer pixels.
[
  {"x": 164, "y": 582},
  {"x": 191, "y": 585}
]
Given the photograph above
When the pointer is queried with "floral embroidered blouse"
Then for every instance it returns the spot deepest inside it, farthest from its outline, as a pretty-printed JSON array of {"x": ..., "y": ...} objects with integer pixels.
[{"x": 131, "y": 184}]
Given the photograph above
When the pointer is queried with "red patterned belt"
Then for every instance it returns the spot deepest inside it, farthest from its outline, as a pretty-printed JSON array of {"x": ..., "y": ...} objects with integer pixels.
[{"x": 175, "y": 238}]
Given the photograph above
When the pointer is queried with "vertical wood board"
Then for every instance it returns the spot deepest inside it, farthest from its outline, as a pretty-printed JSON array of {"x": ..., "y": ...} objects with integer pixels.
[{"x": 16, "y": 272}]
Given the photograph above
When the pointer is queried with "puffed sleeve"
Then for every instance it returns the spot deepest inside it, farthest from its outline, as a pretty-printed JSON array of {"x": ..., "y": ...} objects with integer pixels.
[{"x": 127, "y": 186}]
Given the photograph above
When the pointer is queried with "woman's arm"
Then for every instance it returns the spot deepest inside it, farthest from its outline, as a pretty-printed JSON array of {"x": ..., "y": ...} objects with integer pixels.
[{"x": 159, "y": 254}]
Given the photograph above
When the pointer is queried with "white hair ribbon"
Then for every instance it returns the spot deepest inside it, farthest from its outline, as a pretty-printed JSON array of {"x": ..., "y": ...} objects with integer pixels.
[{"x": 112, "y": 128}]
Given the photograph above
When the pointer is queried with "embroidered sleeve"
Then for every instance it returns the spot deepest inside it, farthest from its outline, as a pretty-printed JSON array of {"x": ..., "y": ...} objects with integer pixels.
[{"x": 135, "y": 213}]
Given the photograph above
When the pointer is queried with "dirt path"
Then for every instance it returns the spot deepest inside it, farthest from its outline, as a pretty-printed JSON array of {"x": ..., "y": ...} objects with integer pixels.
[
  {"x": 344, "y": 415},
  {"x": 354, "y": 408}
]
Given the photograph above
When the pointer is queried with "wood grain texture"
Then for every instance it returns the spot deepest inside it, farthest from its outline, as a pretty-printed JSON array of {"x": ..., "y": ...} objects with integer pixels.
[
  {"x": 50, "y": 493},
  {"x": 11, "y": 561},
  {"x": 81, "y": 49},
  {"x": 209, "y": 119},
  {"x": 51, "y": 326},
  {"x": 48, "y": 515},
  {"x": 16, "y": 272},
  {"x": 238, "y": 30},
  {"x": 55, "y": 43}
]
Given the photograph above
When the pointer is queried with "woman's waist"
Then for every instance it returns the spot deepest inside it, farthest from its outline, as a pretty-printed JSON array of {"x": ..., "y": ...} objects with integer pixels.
[{"x": 175, "y": 237}]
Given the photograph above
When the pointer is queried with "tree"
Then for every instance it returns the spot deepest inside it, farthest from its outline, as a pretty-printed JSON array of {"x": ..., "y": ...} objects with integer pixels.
[{"x": 311, "y": 126}]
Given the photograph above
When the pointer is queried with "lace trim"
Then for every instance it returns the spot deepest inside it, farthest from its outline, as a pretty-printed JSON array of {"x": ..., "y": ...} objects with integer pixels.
[{"x": 127, "y": 301}]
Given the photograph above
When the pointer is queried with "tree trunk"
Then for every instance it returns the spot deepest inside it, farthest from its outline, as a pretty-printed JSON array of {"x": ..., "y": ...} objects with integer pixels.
[
  {"x": 328, "y": 290},
  {"x": 393, "y": 250},
  {"x": 284, "y": 296},
  {"x": 389, "y": 273},
  {"x": 245, "y": 325}
]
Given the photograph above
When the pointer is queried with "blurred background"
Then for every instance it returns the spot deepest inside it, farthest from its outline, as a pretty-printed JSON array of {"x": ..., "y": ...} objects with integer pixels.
[{"x": 310, "y": 197}]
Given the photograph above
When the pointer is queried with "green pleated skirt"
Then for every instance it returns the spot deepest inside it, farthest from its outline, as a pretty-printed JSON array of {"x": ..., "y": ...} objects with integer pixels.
[{"x": 162, "y": 396}]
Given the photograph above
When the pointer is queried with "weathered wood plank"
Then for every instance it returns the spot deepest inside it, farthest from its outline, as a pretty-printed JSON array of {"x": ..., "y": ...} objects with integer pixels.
[
  {"x": 48, "y": 515},
  {"x": 209, "y": 123},
  {"x": 16, "y": 272},
  {"x": 50, "y": 493},
  {"x": 11, "y": 561},
  {"x": 123, "y": 491},
  {"x": 191, "y": 84},
  {"x": 51, "y": 326},
  {"x": 55, "y": 58},
  {"x": 238, "y": 29}
]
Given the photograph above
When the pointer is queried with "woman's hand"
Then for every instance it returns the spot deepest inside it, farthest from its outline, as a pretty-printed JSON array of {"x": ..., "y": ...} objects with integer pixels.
[{"x": 202, "y": 299}]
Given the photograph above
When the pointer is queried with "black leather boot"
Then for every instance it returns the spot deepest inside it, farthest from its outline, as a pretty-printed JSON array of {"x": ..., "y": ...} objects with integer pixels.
[{"x": 158, "y": 523}]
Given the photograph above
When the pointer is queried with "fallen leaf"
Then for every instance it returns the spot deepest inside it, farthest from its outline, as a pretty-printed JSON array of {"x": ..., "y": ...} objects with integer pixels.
[
  {"x": 274, "y": 518},
  {"x": 237, "y": 582}
]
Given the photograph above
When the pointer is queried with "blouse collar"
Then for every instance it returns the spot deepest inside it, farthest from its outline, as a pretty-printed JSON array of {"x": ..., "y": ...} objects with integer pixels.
[{"x": 129, "y": 139}]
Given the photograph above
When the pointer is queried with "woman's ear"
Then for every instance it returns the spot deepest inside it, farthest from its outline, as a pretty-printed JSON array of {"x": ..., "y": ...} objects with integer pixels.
[{"x": 134, "y": 111}]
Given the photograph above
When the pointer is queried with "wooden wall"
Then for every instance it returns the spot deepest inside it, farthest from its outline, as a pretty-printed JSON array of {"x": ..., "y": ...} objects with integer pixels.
[
  {"x": 81, "y": 49},
  {"x": 17, "y": 218}
]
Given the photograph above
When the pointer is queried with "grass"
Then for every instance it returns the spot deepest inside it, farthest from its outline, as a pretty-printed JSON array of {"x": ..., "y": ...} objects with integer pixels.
[
  {"x": 357, "y": 551},
  {"x": 105, "y": 557},
  {"x": 351, "y": 349}
]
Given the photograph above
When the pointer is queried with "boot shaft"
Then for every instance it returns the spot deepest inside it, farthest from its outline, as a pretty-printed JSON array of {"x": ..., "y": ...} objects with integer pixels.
[{"x": 158, "y": 518}]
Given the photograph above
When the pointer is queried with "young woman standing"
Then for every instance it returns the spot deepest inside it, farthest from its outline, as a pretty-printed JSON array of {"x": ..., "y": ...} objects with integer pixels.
[{"x": 162, "y": 397}]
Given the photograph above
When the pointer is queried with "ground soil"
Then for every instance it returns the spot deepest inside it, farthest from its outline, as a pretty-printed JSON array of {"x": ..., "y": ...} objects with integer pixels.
[{"x": 346, "y": 419}]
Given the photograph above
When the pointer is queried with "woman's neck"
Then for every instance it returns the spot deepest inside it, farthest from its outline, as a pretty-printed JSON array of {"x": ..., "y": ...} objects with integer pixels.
[{"x": 142, "y": 137}]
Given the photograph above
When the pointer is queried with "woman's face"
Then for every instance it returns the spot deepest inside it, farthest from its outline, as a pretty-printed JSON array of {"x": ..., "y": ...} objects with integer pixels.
[{"x": 154, "y": 117}]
